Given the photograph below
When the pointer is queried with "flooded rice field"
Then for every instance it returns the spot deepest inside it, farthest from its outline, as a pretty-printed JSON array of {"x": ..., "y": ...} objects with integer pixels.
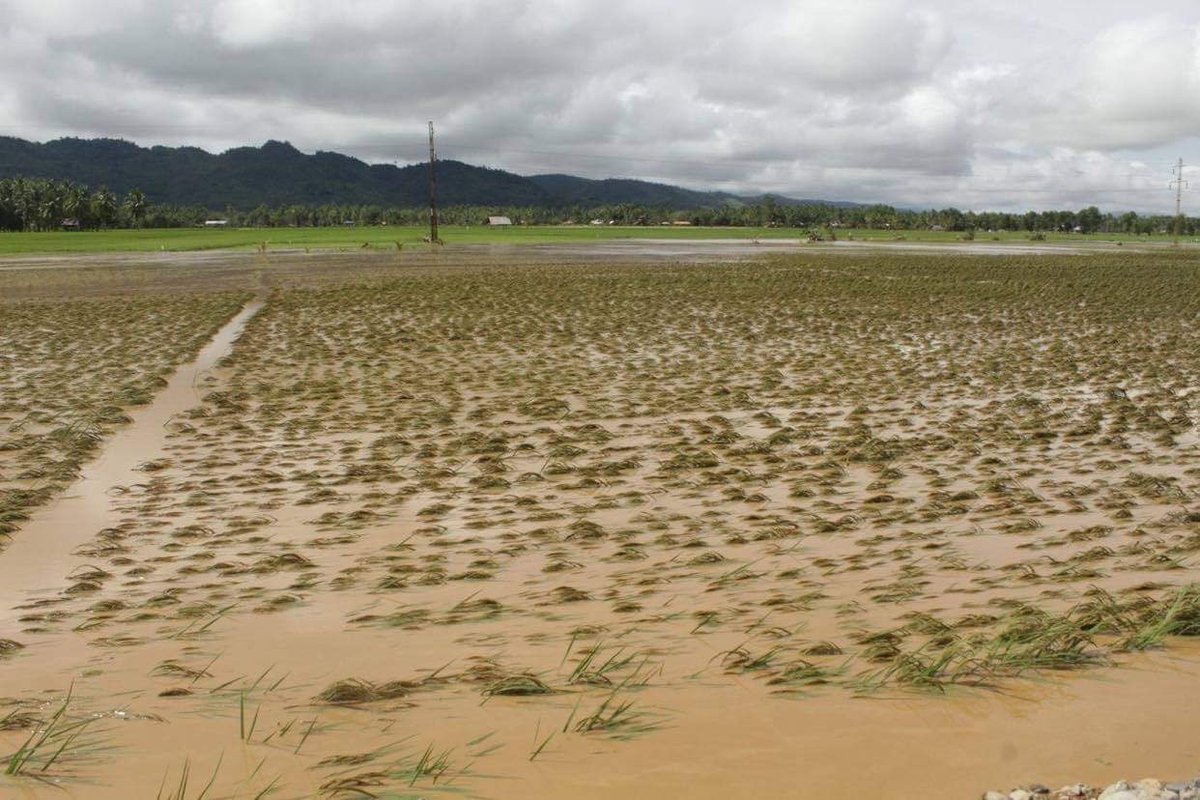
[{"x": 802, "y": 524}]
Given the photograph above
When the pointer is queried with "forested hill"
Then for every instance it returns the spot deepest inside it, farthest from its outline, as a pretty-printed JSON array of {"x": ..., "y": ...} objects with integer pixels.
[
  {"x": 277, "y": 174},
  {"x": 591, "y": 193}
]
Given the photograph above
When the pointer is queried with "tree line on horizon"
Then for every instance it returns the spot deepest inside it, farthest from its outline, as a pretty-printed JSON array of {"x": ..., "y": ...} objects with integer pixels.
[{"x": 40, "y": 204}]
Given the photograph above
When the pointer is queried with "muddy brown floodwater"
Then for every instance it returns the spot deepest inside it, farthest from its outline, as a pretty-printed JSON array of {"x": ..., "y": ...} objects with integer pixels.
[{"x": 537, "y": 525}]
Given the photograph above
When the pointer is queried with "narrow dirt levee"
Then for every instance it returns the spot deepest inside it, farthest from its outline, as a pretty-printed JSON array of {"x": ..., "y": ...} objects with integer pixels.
[{"x": 41, "y": 552}]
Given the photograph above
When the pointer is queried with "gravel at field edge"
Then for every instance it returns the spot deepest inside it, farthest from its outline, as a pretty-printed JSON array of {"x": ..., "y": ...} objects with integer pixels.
[{"x": 1147, "y": 789}]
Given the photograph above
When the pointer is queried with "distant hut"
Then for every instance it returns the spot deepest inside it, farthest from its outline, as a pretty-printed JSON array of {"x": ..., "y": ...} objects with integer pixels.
[
  {"x": 498, "y": 222},
  {"x": 70, "y": 224},
  {"x": 216, "y": 223}
]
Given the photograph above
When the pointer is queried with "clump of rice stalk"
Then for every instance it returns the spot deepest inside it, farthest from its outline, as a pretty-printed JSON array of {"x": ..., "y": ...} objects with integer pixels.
[
  {"x": 521, "y": 685},
  {"x": 355, "y": 691}
]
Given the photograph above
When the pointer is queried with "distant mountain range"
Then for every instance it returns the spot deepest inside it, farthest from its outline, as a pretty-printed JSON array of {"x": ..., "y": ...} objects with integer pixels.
[{"x": 278, "y": 174}]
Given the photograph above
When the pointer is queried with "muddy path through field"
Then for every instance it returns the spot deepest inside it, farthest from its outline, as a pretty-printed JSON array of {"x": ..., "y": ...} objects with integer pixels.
[{"x": 37, "y": 559}]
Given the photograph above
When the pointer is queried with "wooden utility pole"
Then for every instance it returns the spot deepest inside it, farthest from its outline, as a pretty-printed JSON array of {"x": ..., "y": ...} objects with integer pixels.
[
  {"x": 1178, "y": 183},
  {"x": 433, "y": 231}
]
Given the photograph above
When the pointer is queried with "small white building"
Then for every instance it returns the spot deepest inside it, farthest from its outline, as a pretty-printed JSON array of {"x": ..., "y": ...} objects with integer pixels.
[
  {"x": 215, "y": 223},
  {"x": 498, "y": 221}
]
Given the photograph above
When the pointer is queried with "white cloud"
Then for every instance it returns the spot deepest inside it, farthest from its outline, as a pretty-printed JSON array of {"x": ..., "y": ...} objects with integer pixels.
[
  {"x": 1141, "y": 81},
  {"x": 52, "y": 18},
  {"x": 858, "y": 47},
  {"x": 252, "y": 23}
]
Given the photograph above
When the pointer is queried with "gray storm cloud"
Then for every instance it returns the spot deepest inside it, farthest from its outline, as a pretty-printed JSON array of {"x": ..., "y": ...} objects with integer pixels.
[{"x": 912, "y": 103}]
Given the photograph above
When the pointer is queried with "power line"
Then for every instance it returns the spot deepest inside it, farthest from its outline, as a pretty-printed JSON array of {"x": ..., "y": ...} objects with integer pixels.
[{"x": 1178, "y": 182}]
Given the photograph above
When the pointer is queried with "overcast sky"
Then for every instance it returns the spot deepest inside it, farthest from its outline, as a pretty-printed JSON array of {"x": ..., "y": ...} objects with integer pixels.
[{"x": 1006, "y": 105}]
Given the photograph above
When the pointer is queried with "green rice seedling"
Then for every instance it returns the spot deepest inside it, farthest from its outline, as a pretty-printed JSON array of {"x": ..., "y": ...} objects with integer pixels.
[
  {"x": 1102, "y": 613},
  {"x": 926, "y": 668},
  {"x": 537, "y": 751},
  {"x": 1036, "y": 641},
  {"x": 1171, "y": 616},
  {"x": 304, "y": 738},
  {"x": 175, "y": 669},
  {"x": 617, "y": 717},
  {"x": 197, "y": 627},
  {"x": 741, "y": 660},
  {"x": 430, "y": 764},
  {"x": 596, "y": 668},
  {"x": 246, "y": 733},
  {"x": 801, "y": 674},
  {"x": 58, "y": 739},
  {"x": 436, "y": 771},
  {"x": 1185, "y": 611},
  {"x": 180, "y": 789}
]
